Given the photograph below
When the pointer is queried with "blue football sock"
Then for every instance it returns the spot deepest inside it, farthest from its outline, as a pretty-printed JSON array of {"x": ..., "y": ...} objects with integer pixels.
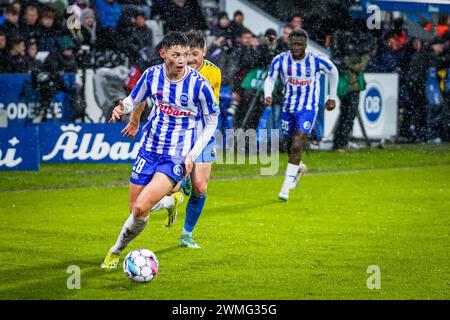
[{"x": 194, "y": 209}]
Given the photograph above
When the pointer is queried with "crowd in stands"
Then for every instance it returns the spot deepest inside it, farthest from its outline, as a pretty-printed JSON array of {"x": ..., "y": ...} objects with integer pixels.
[{"x": 115, "y": 32}]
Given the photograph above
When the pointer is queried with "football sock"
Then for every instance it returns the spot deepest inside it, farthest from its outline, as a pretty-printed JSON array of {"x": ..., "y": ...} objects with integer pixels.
[
  {"x": 165, "y": 203},
  {"x": 193, "y": 210},
  {"x": 291, "y": 173},
  {"x": 184, "y": 232},
  {"x": 130, "y": 230}
]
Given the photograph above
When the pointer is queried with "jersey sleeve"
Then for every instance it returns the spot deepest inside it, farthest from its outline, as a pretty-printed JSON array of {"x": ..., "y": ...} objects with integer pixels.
[
  {"x": 207, "y": 99},
  {"x": 217, "y": 84},
  {"x": 139, "y": 93},
  {"x": 275, "y": 67},
  {"x": 325, "y": 64}
]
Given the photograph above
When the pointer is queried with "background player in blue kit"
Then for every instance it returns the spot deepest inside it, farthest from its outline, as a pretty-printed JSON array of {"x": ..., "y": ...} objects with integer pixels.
[
  {"x": 299, "y": 71},
  {"x": 182, "y": 121}
]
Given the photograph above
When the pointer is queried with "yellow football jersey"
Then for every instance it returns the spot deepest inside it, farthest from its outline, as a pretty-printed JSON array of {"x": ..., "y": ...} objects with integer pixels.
[{"x": 212, "y": 73}]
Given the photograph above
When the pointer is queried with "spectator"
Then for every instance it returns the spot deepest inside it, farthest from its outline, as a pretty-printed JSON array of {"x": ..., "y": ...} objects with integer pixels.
[
  {"x": 246, "y": 55},
  {"x": 141, "y": 36},
  {"x": 47, "y": 35},
  {"x": 31, "y": 53},
  {"x": 16, "y": 59},
  {"x": 135, "y": 5},
  {"x": 443, "y": 25},
  {"x": 438, "y": 115},
  {"x": 222, "y": 28},
  {"x": 180, "y": 15},
  {"x": 83, "y": 5},
  {"x": 414, "y": 122},
  {"x": 220, "y": 52},
  {"x": 3, "y": 53},
  {"x": 269, "y": 49},
  {"x": 66, "y": 61},
  {"x": 108, "y": 13},
  {"x": 296, "y": 22},
  {"x": 29, "y": 27},
  {"x": 237, "y": 25},
  {"x": 11, "y": 27},
  {"x": 353, "y": 63},
  {"x": 283, "y": 40},
  {"x": 88, "y": 28},
  {"x": 351, "y": 73}
]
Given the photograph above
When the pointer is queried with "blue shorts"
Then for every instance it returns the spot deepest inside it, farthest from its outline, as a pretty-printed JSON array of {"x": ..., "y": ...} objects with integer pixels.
[
  {"x": 302, "y": 120},
  {"x": 209, "y": 153},
  {"x": 148, "y": 163}
]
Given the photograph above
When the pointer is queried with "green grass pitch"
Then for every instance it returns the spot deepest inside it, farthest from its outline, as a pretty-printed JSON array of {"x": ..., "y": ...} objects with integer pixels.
[{"x": 388, "y": 208}]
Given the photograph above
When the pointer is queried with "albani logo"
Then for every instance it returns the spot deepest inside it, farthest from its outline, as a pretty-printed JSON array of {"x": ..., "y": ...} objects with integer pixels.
[
  {"x": 168, "y": 109},
  {"x": 297, "y": 82},
  {"x": 76, "y": 145}
]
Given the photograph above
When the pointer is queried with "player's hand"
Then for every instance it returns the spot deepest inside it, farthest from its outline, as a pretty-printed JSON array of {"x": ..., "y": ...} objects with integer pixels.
[
  {"x": 117, "y": 113},
  {"x": 189, "y": 166},
  {"x": 131, "y": 129},
  {"x": 330, "y": 104},
  {"x": 268, "y": 101}
]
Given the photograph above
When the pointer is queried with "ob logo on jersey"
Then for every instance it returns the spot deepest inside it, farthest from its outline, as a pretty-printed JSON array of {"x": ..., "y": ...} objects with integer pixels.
[
  {"x": 184, "y": 98},
  {"x": 178, "y": 170},
  {"x": 373, "y": 105},
  {"x": 306, "y": 125}
]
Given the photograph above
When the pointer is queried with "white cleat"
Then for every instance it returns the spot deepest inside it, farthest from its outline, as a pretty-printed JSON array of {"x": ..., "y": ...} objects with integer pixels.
[
  {"x": 283, "y": 195},
  {"x": 302, "y": 169}
]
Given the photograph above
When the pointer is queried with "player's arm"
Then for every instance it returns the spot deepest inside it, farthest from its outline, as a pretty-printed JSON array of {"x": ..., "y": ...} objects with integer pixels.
[
  {"x": 137, "y": 96},
  {"x": 328, "y": 67},
  {"x": 269, "y": 83},
  {"x": 132, "y": 126},
  {"x": 210, "y": 110}
]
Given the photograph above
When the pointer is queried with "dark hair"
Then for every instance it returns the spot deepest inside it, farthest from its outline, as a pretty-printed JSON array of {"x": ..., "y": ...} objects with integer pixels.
[
  {"x": 297, "y": 14},
  {"x": 238, "y": 13},
  {"x": 196, "y": 39},
  {"x": 48, "y": 14},
  {"x": 32, "y": 8},
  {"x": 222, "y": 14},
  {"x": 174, "y": 38},
  {"x": 246, "y": 31},
  {"x": 12, "y": 10},
  {"x": 16, "y": 41},
  {"x": 298, "y": 33}
]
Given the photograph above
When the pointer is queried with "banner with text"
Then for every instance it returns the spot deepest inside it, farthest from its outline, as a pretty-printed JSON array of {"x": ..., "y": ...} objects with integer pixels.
[
  {"x": 94, "y": 143},
  {"x": 21, "y": 101},
  {"x": 19, "y": 148}
]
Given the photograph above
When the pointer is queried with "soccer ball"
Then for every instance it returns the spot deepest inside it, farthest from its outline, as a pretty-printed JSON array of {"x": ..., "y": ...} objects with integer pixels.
[{"x": 140, "y": 265}]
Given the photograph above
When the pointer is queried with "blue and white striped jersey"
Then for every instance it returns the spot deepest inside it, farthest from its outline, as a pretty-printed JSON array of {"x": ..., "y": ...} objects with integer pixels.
[
  {"x": 300, "y": 78},
  {"x": 177, "y": 116}
]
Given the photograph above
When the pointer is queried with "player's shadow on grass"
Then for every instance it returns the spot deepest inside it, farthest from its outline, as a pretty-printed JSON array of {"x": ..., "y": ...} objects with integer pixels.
[
  {"x": 166, "y": 250},
  {"x": 38, "y": 283}
]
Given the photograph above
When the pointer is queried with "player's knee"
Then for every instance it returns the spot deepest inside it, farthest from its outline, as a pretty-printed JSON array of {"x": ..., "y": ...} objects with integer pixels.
[
  {"x": 199, "y": 185},
  {"x": 139, "y": 210},
  {"x": 200, "y": 188}
]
